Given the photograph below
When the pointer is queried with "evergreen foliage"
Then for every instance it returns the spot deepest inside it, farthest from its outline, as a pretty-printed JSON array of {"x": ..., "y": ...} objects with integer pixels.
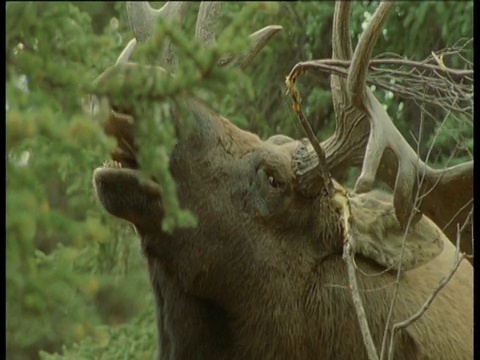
[{"x": 77, "y": 286}]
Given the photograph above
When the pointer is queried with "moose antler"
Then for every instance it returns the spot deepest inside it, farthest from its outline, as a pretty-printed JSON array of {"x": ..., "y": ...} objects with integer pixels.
[
  {"x": 143, "y": 18},
  {"x": 207, "y": 16},
  {"x": 446, "y": 196}
]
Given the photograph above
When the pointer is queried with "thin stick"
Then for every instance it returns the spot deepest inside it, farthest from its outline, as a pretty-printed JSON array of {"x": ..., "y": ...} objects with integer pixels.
[
  {"x": 397, "y": 284},
  {"x": 403, "y": 324},
  {"x": 341, "y": 202},
  {"x": 458, "y": 75},
  {"x": 357, "y": 301},
  {"x": 322, "y": 162}
]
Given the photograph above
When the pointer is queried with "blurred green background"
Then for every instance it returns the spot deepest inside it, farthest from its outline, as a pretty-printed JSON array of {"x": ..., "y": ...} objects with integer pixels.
[{"x": 76, "y": 283}]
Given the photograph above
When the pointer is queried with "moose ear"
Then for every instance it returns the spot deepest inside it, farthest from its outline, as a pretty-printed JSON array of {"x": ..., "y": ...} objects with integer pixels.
[{"x": 380, "y": 237}]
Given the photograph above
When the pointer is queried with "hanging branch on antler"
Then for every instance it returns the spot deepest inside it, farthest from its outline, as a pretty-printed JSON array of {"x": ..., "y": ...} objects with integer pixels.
[
  {"x": 458, "y": 258},
  {"x": 322, "y": 163},
  {"x": 451, "y": 89},
  {"x": 340, "y": 199},
  {"x": 342, "y": 203}
]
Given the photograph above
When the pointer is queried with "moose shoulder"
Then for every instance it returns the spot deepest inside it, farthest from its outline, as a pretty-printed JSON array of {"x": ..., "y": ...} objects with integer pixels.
[{"x": 261, "y": 276}]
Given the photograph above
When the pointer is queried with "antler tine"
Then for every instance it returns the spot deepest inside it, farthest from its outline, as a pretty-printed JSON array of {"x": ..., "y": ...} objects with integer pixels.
[
  {"x": 259, "y": 39},
  {"x": 341, "y": 43},
  {"x": 127, "y": 52},
  {"x": 341, "y": 50},
  {"x": 357, "y": 74},
  {"x": 206, "y": 20},
  {"x": 205, "y": 32},
  {"x": 143, "y": 17}
]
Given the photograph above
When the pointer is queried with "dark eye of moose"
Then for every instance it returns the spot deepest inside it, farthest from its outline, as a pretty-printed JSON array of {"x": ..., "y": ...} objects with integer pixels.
[{"x": 273, "y": 182}]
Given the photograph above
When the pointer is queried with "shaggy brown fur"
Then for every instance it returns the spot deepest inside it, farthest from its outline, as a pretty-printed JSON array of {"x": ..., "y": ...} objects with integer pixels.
[{"x": 262, "y": 276}]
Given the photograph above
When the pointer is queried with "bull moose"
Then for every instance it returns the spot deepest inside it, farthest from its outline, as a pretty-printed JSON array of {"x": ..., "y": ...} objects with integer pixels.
[{"x": 263, "y": 274}]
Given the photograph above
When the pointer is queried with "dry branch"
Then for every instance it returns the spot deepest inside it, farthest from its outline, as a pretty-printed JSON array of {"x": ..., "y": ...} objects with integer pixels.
[
  {"x": 322, "y": 163},
  {"x": 339, "y": 198},
  {"x": 341, "y": 201},
  {"x": 409, "y": 80},
  {"x": 403, "y": 324}
]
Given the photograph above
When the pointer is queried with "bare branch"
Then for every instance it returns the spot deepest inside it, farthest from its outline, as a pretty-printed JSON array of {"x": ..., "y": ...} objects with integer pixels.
[
  {"x": 341, "y": 201},
  {"x": 322, "y": 163},
  {"x": 385, "y": 135},
  {"x": 408, "y": 84},
  {"x": 403, "y": 324},
  {"x": 397, "y": 286},
  {"x": 362, "y": 317}
]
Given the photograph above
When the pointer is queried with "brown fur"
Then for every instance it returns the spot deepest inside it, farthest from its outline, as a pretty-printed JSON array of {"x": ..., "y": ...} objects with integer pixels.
[{"x": 262, "y": 276}]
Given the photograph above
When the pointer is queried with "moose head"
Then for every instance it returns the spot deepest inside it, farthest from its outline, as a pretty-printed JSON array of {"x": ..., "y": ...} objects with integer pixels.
[{"x": 262, "y": 275}]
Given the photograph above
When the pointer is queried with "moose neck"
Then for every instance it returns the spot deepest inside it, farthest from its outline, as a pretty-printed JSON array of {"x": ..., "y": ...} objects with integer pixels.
[{"x": 188, "y": 327}]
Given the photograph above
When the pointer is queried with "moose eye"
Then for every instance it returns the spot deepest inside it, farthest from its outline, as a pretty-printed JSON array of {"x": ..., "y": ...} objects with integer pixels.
[
  {"x": 272, "y": 181},
  {"x": 271, "y": 192}
]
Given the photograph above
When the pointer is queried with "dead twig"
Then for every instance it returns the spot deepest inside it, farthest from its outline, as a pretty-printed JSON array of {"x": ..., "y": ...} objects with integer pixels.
[
  {"x": 429, "y": 81},
  {"x": 403, "y": 324},
  {"x": 339, "y": 198},
  {"x": 322, "y": 161},
  {"x": 397, "y": 282},
  {"x": 348, "y": 255},
  {"x": 442, "y": 283}
]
